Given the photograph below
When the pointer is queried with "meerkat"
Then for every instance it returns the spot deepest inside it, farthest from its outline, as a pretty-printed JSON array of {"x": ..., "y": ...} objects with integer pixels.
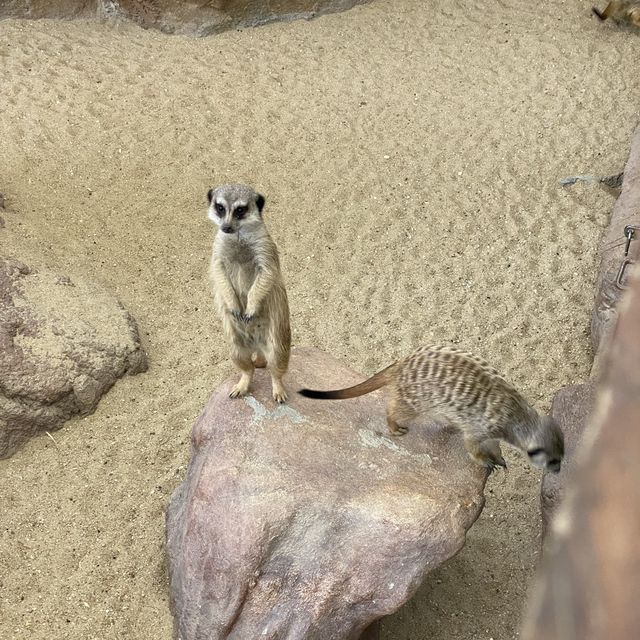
[
  {"x": 249, "y": 290},
  {"x": 449, "y": 384},
  {"x": 620, "y": 11}
]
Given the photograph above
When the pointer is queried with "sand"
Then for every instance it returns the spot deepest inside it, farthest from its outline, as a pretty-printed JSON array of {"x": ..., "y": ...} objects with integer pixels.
[{"x": 409, "y": 153}]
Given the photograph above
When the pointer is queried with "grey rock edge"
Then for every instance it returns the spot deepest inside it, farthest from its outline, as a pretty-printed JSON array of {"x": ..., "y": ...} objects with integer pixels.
[
  {"x": 195, "y": 18},
  {"x": 63, "y": 344},
  {"x": 572, "y": 405},
  {"x": 308, "y": 520}
]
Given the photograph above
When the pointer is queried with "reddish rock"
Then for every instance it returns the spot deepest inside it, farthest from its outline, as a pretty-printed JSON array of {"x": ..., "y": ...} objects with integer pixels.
[
  {"x": 589, "y": 585},
  {"x": 198, "y": 17},
  {"x": 626, "y": 211},
  {"x": 62, "y": 346},
  {"x": 308, "y": 520}
]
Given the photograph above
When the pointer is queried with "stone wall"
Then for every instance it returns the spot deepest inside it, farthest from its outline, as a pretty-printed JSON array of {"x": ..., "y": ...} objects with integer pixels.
[{"x": 589, "y": 586}]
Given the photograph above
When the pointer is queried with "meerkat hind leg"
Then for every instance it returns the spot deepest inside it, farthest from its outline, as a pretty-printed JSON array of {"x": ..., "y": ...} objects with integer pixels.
[
  {"x": 278, "y": 390},
  {"x": 242, "y": 360},
  {"x": 277, "y": 364},
  {"x": 398, "y": 411}
]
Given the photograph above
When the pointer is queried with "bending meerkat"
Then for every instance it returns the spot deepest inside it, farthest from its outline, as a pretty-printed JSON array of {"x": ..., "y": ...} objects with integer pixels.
[
  {"x": 620, "y": 11},
  {"x": 450, "y": 384},
  {"x": 249, "y": 291}
]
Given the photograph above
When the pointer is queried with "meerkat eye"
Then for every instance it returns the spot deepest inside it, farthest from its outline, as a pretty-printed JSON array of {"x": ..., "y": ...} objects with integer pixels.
[
  {"x": 535, "y": 452},
  {"x": 219, "y": 209},
  {"x": 239, "y": 212}
]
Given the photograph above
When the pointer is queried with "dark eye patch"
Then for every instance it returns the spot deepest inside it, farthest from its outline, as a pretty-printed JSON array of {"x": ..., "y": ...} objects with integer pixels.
[
  {"x": 219, "y": 209},
  {"x": 535, "y": 452},
  {"x": 240, "y": 212}
]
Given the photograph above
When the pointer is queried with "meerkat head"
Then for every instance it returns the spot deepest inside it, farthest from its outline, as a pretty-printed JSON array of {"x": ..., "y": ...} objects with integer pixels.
[
  {"x": 234, "y": 207},
  {"x": 545, "y": 445}
]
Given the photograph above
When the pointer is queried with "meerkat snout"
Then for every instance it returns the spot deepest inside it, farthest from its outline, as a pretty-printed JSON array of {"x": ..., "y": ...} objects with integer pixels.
[
  {"x": 541, "y": 459},
  {"x": 234, "y": 215},
  {"x": 547, "y": 451}
]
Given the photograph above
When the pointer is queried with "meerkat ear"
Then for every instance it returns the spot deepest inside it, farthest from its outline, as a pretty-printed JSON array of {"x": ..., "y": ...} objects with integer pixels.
[
  {"x": 210, "y": 195},
  {"x": 260, "y": 203}
]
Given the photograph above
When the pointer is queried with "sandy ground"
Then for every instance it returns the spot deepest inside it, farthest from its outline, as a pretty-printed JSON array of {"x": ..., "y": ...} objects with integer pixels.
[{"x": 410, "y": 154}]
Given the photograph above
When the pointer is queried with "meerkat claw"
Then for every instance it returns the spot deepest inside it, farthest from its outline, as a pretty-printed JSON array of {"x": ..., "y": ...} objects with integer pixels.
[{"x": 238, "y": 391}]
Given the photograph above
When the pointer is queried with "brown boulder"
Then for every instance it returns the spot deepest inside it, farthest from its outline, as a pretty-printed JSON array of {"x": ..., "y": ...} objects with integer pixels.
[
  {"x": 309, "y": 520},
  {"x": 62, "y": 345},
  {"x": 197, "y": 17},
  {"x": 589, "y": 586}
]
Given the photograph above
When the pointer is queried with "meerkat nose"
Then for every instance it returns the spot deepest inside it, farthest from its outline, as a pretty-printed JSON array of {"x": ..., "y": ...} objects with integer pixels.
[{"x": 227, "y": 228}]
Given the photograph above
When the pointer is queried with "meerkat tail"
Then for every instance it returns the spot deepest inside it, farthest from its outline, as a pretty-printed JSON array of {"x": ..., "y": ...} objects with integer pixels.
[
  {"x": 598, "y": 14},
  {"x": 375, "y": 382}
]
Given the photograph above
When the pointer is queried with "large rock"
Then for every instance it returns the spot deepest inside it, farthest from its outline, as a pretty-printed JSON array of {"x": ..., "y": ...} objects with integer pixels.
[
  {"x": 589, "y": 587},
  {"x": 571, "y": 407},
  {"x": 626, "y": 211},
  {"x": 309, "y": 520},
  {"x": 62, "y": 345},
  {"x": 194, "y": 17}
]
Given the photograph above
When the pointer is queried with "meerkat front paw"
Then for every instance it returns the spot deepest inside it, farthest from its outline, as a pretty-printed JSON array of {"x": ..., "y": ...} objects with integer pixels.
[
  {"x": 237, "y": 314},
  {"x": 239, "y": 390}
]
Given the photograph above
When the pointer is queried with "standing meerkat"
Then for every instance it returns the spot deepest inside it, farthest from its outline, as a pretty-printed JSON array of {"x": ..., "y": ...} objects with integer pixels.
[
  {"x": 248, "y": 287},
  {"x": 620, "y": 11},
  {"x": 449, "y": 384}
]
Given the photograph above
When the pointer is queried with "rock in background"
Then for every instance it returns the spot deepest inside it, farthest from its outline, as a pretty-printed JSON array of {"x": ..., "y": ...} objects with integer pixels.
[
  {"x": 196, "y": 17},
  {"x": 62, "y": 346},
  {"x": 309, "y": 520}
]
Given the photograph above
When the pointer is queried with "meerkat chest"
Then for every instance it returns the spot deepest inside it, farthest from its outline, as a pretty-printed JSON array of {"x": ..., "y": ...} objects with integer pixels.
[{"x": 242, "y": 274}]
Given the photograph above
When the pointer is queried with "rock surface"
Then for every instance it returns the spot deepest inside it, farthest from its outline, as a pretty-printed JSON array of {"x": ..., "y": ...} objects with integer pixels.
[
  {"x": 308, "y": 520},
  {"x": 589, "y": 586},
  {"x": 62, "y": 345},
  {"x": 198, "y": 17},
  {"x": 571, "y": 407},
  {"x": 626, "y": 211}
]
